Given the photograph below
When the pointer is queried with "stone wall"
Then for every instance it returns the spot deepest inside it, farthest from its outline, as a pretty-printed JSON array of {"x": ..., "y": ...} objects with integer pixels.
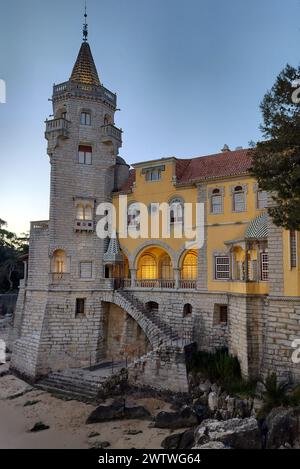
[{"x": 161, "y": 369}]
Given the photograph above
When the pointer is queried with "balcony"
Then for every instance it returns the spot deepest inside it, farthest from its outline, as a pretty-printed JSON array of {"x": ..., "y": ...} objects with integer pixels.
[
  {"x": 111, "y": 134},
  {"x": 79, "y": 89},
  {"x": 159, "y": 284},
  {"x": 57, "y": 128},
  {"x": 84, "y": 225}
]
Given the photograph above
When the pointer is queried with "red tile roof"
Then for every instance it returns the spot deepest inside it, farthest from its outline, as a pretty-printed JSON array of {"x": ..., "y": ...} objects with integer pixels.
[{"x": 225, "y": 164}]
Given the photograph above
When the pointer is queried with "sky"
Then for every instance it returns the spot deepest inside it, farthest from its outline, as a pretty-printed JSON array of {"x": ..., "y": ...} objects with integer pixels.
[{"x": 189, "y": 75}]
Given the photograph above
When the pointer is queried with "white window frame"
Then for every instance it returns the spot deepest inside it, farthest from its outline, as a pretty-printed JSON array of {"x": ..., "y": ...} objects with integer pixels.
[
  {"x": 235, "y": 204},
  {"x": 259, "y": 200},
  {"x": 85, "y": 157},
  {"x": 153, "y": 175},
  {"x": 293, "y": 244},
  {"x": 219, "y": 273},
  {"x": 264, "y": 266}
]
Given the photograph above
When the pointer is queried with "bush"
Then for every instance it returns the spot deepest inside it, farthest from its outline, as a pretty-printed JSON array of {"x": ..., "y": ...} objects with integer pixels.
[{"x": 223, "y": 369}]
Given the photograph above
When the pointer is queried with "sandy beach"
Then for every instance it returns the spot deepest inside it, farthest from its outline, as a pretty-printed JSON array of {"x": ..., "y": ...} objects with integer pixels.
[{"x": 22, "y": 406}]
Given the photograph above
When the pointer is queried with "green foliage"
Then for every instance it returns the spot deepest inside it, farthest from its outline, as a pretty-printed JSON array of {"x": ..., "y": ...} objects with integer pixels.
[
  {"x": 275, "y": 394},
  {"x": 276, "y": 161},
  {"x": 223, "y": 369},
  {"x": 294, "y": 397},
  {"x": 11, "y": 248}
]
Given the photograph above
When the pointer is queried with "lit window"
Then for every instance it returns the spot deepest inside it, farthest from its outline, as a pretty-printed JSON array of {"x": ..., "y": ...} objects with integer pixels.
[
  {"x": 59, "y": 261},
  {"x": 84, "y": 154},
  {"x": 293, "y": 249},
  {"x": 238, "y": 199},
  {"x": 222, "y": 268},
  {"x": 85, "y": 269},
  {"x": 80, "y": 306},
  {"x": 262, "y": 199},
  {"x": 264, "y": 266},
  {"x": 153, "y": 175},
  {"x": 148, "y": 267},
  {"x": 216, "y": 201},
  {"x": 189, "y": 267},
  {"x": 85, "y": 118},
  {"x": 166, "y": 268}
]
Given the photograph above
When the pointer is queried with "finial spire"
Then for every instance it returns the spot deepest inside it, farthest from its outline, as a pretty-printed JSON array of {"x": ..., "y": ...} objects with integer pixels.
[{"x": 85, "y": 26}]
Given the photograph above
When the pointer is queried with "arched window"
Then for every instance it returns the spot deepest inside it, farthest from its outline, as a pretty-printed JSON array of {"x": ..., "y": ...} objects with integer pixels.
[
  {"x": 176, "y": 211},
  {"x": 166, "y": 270},
  {"x": 216, "y": 201},
  {"x": 152, "y": 306},
  {"x": 133, "y": 215},
  {"x": 189, "y": 267},
  {"x": 148, "y": 269},
  {"x": 187, "y": 310},
  {"x": 59, "y": 261},
  {"x": 239, "y": 204}
]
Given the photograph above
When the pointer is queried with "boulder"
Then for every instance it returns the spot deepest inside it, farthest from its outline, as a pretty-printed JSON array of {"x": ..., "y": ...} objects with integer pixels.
[
  {"x": 118, "y": 411},
  {"x": 236, "y": 433},
  {"x": 211, "y": 445},
  {"x": 184, "y": 418},
  {"x": 281, "y": 427},
  {"x": 213, "y": 401},
  {"x": 205, "y": 386},
  {"x": 183, "y": 440}
]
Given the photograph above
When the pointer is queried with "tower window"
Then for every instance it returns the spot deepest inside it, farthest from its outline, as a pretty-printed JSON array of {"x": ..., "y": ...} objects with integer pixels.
[
  {"x": 85, "y": 118},
  {"x": 80, "y": 306},
  {"x": 85, "y": 154}
]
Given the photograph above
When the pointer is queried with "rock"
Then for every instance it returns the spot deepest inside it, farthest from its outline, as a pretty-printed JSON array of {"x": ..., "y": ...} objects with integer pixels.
[
  {"x": 133, "y": 432},
  {"x": 117, "y": 411},
  {"x": 205, "y": 386},
  {"x": 236, "y": 433},
  {"x": 30, "y": 403},
  {"x": 230, "y": 406},
  {"x": 100, "y": 445},
  {"x": 211, "y": 445},
  {"x": 183, "y": 440},
  {"x": 200, "y": 410},
  {"x": 213, "y": 401},
  {"x": 93, "y": 434},
  {"x": 39, "y": 427},
  {"x": 281, "y": 427},
  {"x": 184, "y": 418},
  {"x": 216, "y": 389}
]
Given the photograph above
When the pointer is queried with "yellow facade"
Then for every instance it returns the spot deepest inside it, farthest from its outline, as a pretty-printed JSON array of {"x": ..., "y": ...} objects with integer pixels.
[{"x": 222, "y": 228}]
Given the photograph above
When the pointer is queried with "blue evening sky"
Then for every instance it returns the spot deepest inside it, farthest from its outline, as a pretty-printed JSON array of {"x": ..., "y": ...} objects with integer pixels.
[{"x": 189, "y": 76}]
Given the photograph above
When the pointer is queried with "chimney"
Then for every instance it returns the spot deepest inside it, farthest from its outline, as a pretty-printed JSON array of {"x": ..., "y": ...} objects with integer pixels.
[{"x": 225, "y": 148}]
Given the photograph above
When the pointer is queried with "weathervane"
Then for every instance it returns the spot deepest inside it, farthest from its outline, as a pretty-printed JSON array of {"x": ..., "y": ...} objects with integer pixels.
[{"x": 85, "y": 25}]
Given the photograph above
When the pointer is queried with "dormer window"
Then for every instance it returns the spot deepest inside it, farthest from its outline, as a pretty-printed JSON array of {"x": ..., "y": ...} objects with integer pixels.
[
  {"x": 153, "y": 175},
  {"x": 85, "y": 118},
  {"x": 84, "y": 154}
]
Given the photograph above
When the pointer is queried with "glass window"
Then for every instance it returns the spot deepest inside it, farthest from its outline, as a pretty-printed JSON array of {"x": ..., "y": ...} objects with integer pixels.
[
  {"x": 85, "y": 118},
  {"x": 222, "y": 268},
  {"x": 176, "y": 211},
  {"x": 166, "y": 268},
  {"x": 85, "y": 154},
  {"x": 148, "y": 267},
  {"x": 216, "y": 201},
  {"x": 239, "y": 199},
  {"x": 264, "y": 265},
  {"x": 153, "y": 175},
  {"x": 189, "y": 267},
  {"x": 262, "y": 199}
]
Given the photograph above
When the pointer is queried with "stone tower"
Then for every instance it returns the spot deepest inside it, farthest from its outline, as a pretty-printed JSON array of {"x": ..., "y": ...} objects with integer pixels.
[{"x": 59, "y": 317}]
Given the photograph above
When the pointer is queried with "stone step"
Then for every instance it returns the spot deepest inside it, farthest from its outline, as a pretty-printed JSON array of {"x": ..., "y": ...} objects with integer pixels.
[
  {"x": 79, "y": 396},
  {"x": 71, "y": 385}
]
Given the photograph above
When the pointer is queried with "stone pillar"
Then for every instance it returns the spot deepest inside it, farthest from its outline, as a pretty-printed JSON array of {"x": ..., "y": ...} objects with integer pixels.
[
  {"x": 133, "y": 277},
  {"x": 177, "y": 277}
]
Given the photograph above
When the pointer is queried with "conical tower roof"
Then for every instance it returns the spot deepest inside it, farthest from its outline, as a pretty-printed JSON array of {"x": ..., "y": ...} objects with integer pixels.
[{"x": 84, "y": 70}]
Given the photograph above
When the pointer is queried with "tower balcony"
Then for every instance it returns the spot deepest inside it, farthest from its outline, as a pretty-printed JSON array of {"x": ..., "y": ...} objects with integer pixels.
[
  {"x": 57, "y": 128},
  {"x": 111, "y": 134}
]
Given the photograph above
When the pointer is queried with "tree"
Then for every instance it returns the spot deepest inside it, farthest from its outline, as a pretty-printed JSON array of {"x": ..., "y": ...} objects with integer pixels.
[
  {"x": 11, "y": 248},
  {"x": 276, "y": 160}
]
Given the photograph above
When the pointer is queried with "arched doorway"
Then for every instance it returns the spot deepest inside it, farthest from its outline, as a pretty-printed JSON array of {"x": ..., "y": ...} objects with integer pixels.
[{"x": 154, "y": 268}]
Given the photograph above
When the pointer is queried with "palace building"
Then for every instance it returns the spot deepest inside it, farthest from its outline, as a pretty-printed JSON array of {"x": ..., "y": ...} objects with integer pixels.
[{"x": 86, "y": 300}]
